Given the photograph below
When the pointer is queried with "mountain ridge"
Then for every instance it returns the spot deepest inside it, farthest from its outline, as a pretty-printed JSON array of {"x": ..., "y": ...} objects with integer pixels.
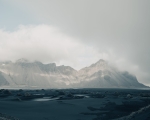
[{"x": 98, "y": 75}]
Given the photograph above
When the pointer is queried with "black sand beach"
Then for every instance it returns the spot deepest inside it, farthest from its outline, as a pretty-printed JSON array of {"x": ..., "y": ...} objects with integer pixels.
[{"x": 74, "y": 104}]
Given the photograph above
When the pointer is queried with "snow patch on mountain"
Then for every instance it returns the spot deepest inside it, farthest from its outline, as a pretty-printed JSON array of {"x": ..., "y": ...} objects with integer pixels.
[{"x": 98, "y": 75}]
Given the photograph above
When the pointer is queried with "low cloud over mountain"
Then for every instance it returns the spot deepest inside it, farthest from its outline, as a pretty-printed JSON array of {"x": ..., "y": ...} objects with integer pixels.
[{"x": 23, "y": 73}]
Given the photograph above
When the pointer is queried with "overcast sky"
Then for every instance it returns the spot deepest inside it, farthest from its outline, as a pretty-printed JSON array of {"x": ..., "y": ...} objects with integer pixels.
[{"x": 78, "y": 33}]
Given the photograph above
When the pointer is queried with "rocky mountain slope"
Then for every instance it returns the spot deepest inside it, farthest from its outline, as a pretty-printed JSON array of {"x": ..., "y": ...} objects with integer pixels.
[{"x": 23, "y": 73}]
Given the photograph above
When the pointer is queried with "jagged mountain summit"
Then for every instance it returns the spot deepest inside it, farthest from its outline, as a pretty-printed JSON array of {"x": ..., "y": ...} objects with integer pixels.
[{"x": 23, "y": 73}]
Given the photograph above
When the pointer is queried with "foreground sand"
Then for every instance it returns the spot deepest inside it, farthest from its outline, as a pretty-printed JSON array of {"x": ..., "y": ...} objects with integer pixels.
[{"x": 70, "y": 104}]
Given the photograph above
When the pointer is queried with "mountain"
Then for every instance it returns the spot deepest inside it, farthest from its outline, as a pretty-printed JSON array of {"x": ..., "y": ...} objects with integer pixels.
[
  {"x": 102, "y": 75},
  {"x": 23, "y": 73}
]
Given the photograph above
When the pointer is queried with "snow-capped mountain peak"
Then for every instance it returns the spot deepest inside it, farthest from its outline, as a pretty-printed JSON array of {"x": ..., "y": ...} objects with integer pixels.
[
  {"x": 99, "y": 74},
  {"x": 22, "y": 60}
]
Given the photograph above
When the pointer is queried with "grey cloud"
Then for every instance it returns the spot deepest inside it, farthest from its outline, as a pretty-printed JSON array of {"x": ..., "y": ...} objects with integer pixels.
[
  {"x": 118, "y": 26},
  {"x": 46, "y": 44}
]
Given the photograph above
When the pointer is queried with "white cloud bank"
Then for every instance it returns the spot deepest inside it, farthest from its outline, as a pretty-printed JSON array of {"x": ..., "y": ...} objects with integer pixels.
[{"x": 46, "y": 44}]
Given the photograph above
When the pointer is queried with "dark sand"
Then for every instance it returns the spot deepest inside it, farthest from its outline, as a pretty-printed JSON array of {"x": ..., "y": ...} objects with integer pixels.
[{"x": 74, "y": 104}]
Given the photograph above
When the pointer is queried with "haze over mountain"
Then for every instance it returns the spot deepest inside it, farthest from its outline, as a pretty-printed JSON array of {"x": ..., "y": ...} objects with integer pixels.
[{"x": 23, "y": 73}]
